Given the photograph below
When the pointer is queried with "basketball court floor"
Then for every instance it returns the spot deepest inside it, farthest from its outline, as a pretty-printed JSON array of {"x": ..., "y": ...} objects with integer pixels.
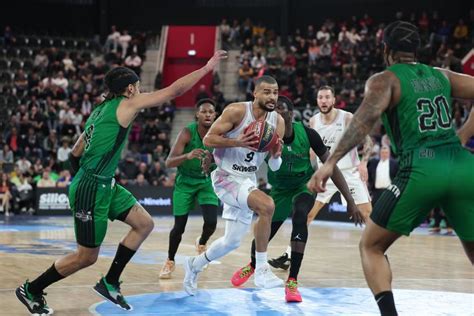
[{"x": 432, "y": 275}]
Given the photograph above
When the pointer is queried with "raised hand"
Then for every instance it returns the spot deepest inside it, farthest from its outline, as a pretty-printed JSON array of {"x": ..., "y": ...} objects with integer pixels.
[
  {"x": 218, "y": 56},
  {"x": 317, "y": 183}
]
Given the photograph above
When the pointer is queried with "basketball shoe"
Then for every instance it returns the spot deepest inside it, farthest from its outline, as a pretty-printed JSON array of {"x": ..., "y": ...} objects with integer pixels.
[
  {"x": 112, "y": 293},
  {"x": 291, "y": 291},
  {"x": 264, "y": 278},
  {"x": 242, "y": 275},
  {"x": 167, "y": 269},
  {"x": 36, "y": 304},
  {"x": 282, "y": 262}
]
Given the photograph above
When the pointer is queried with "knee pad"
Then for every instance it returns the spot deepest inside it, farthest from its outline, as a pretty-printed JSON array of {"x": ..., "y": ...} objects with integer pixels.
[{"x": 301, "y": 207}]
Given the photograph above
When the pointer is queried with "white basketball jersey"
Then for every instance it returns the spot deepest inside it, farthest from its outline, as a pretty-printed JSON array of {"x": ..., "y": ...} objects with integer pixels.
[
  {"x": 238, "y": 160},
  {"x": 332, "y": 134}
]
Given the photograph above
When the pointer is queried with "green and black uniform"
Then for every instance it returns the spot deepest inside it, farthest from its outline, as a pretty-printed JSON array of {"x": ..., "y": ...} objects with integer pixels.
[
  {"x": 94, "y": 196},
  {"x": 191, "y": 183},
  {"x": 435, "y": 170},
  {"x": 295, "y": 171}
]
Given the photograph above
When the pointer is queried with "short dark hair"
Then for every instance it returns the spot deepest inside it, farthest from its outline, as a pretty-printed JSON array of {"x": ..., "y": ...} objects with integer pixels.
[
  {"x": 326, "y": 87},
  {"x": 285, "y": 100},
  {"x": 402, "y": 36},
  {"x": 205, "y": 100},
  {"x": 266, "y": 79}
]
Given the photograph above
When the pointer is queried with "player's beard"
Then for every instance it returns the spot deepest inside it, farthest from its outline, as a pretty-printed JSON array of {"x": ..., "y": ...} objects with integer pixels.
[
  {"x": 329, "y": 109},
  {"x": 263, "y": 106}
]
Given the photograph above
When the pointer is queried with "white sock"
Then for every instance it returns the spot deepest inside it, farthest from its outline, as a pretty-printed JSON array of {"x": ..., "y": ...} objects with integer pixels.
[
  {"x": 260, "y": 259},
  {"x": 199, "y": 262},
  {"x": 288, "y": 251}
]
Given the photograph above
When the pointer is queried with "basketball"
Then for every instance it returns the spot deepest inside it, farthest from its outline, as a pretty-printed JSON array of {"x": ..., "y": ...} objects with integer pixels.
[{"x": 265, "y": 133}]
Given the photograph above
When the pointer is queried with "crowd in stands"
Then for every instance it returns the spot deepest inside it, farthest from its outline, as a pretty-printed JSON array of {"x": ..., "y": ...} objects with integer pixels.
[
  {"x": 49, "y": 86},
  {"x": 342, "y": 54}
]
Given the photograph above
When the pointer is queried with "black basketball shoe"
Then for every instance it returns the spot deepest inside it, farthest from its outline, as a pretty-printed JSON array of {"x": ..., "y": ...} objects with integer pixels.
[
  {"x": 282, "y": 262},
  {"x": 36, "y": 304},
  {"x": 112, "y": 293}
]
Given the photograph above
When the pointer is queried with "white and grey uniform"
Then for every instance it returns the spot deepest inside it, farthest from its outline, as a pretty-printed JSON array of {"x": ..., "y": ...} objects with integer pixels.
[
  {"x": 331, "y": 134},
  {"x": 235, "y": 175}
]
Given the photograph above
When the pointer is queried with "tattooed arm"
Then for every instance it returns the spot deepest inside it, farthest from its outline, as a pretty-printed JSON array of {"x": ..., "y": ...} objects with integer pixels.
[
  {"x": 366, "y": 152},
  {"x": 378, "y": 96}
]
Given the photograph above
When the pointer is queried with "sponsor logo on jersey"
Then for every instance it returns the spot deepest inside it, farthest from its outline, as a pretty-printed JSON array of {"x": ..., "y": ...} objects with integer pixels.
[
  {"x": 244, "y": 168},
  {"x": 329, "y": 141}
]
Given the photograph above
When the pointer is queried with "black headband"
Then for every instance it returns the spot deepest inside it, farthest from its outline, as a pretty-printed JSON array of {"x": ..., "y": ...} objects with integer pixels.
[{"x": 119, "y": 84}]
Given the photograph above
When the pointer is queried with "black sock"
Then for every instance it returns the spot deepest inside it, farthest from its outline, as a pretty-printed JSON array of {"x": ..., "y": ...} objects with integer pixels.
[
  {"x": 122, "y": 257},
  {"x": 253, "y": 261},
  {"x": 386, "y": 303},
  {"x": 49, "y": 277},
  {"x": 296, "y": 259}
]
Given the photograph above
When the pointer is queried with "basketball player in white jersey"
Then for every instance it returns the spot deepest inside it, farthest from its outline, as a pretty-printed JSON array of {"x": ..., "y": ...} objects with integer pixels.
[
  {"x": 235, "y": 182},
  {"x": 330, "y": 123}
]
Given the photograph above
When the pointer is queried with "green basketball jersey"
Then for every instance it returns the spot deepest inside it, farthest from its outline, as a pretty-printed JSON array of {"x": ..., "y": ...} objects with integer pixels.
[
  {"x": 422, "y": 118},
  {"x": 104, "y": 139},
  {"x": 192, "y": 168},
  {"x": 296, "y": 168}
]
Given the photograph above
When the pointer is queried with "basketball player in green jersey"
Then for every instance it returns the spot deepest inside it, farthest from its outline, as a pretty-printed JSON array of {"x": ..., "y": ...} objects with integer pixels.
[
  {"x": 192, "y": 182},
  {"x": 414, "y": 101},
  {"x": 95, "y": 197},
  {"x": 291, "y": 196}
]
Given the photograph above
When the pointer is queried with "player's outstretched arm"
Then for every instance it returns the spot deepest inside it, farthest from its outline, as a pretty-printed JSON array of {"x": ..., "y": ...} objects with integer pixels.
[
  {"x": 176, "y": 156},
  {"x": 378, "y": 94},
  {"x": 129, "y": 108},
  {"x": 366, "y": 152},
  {"x": 317, "y": 145},
  {"x": 231, "y": 117}
]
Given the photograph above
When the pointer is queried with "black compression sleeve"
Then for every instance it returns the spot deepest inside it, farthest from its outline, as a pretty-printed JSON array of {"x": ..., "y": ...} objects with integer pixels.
[{"x": 315, "y": 141}]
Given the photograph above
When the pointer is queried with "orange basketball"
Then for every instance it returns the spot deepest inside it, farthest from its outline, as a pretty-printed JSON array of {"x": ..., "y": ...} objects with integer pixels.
[{"x": 265, "y": 134}]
